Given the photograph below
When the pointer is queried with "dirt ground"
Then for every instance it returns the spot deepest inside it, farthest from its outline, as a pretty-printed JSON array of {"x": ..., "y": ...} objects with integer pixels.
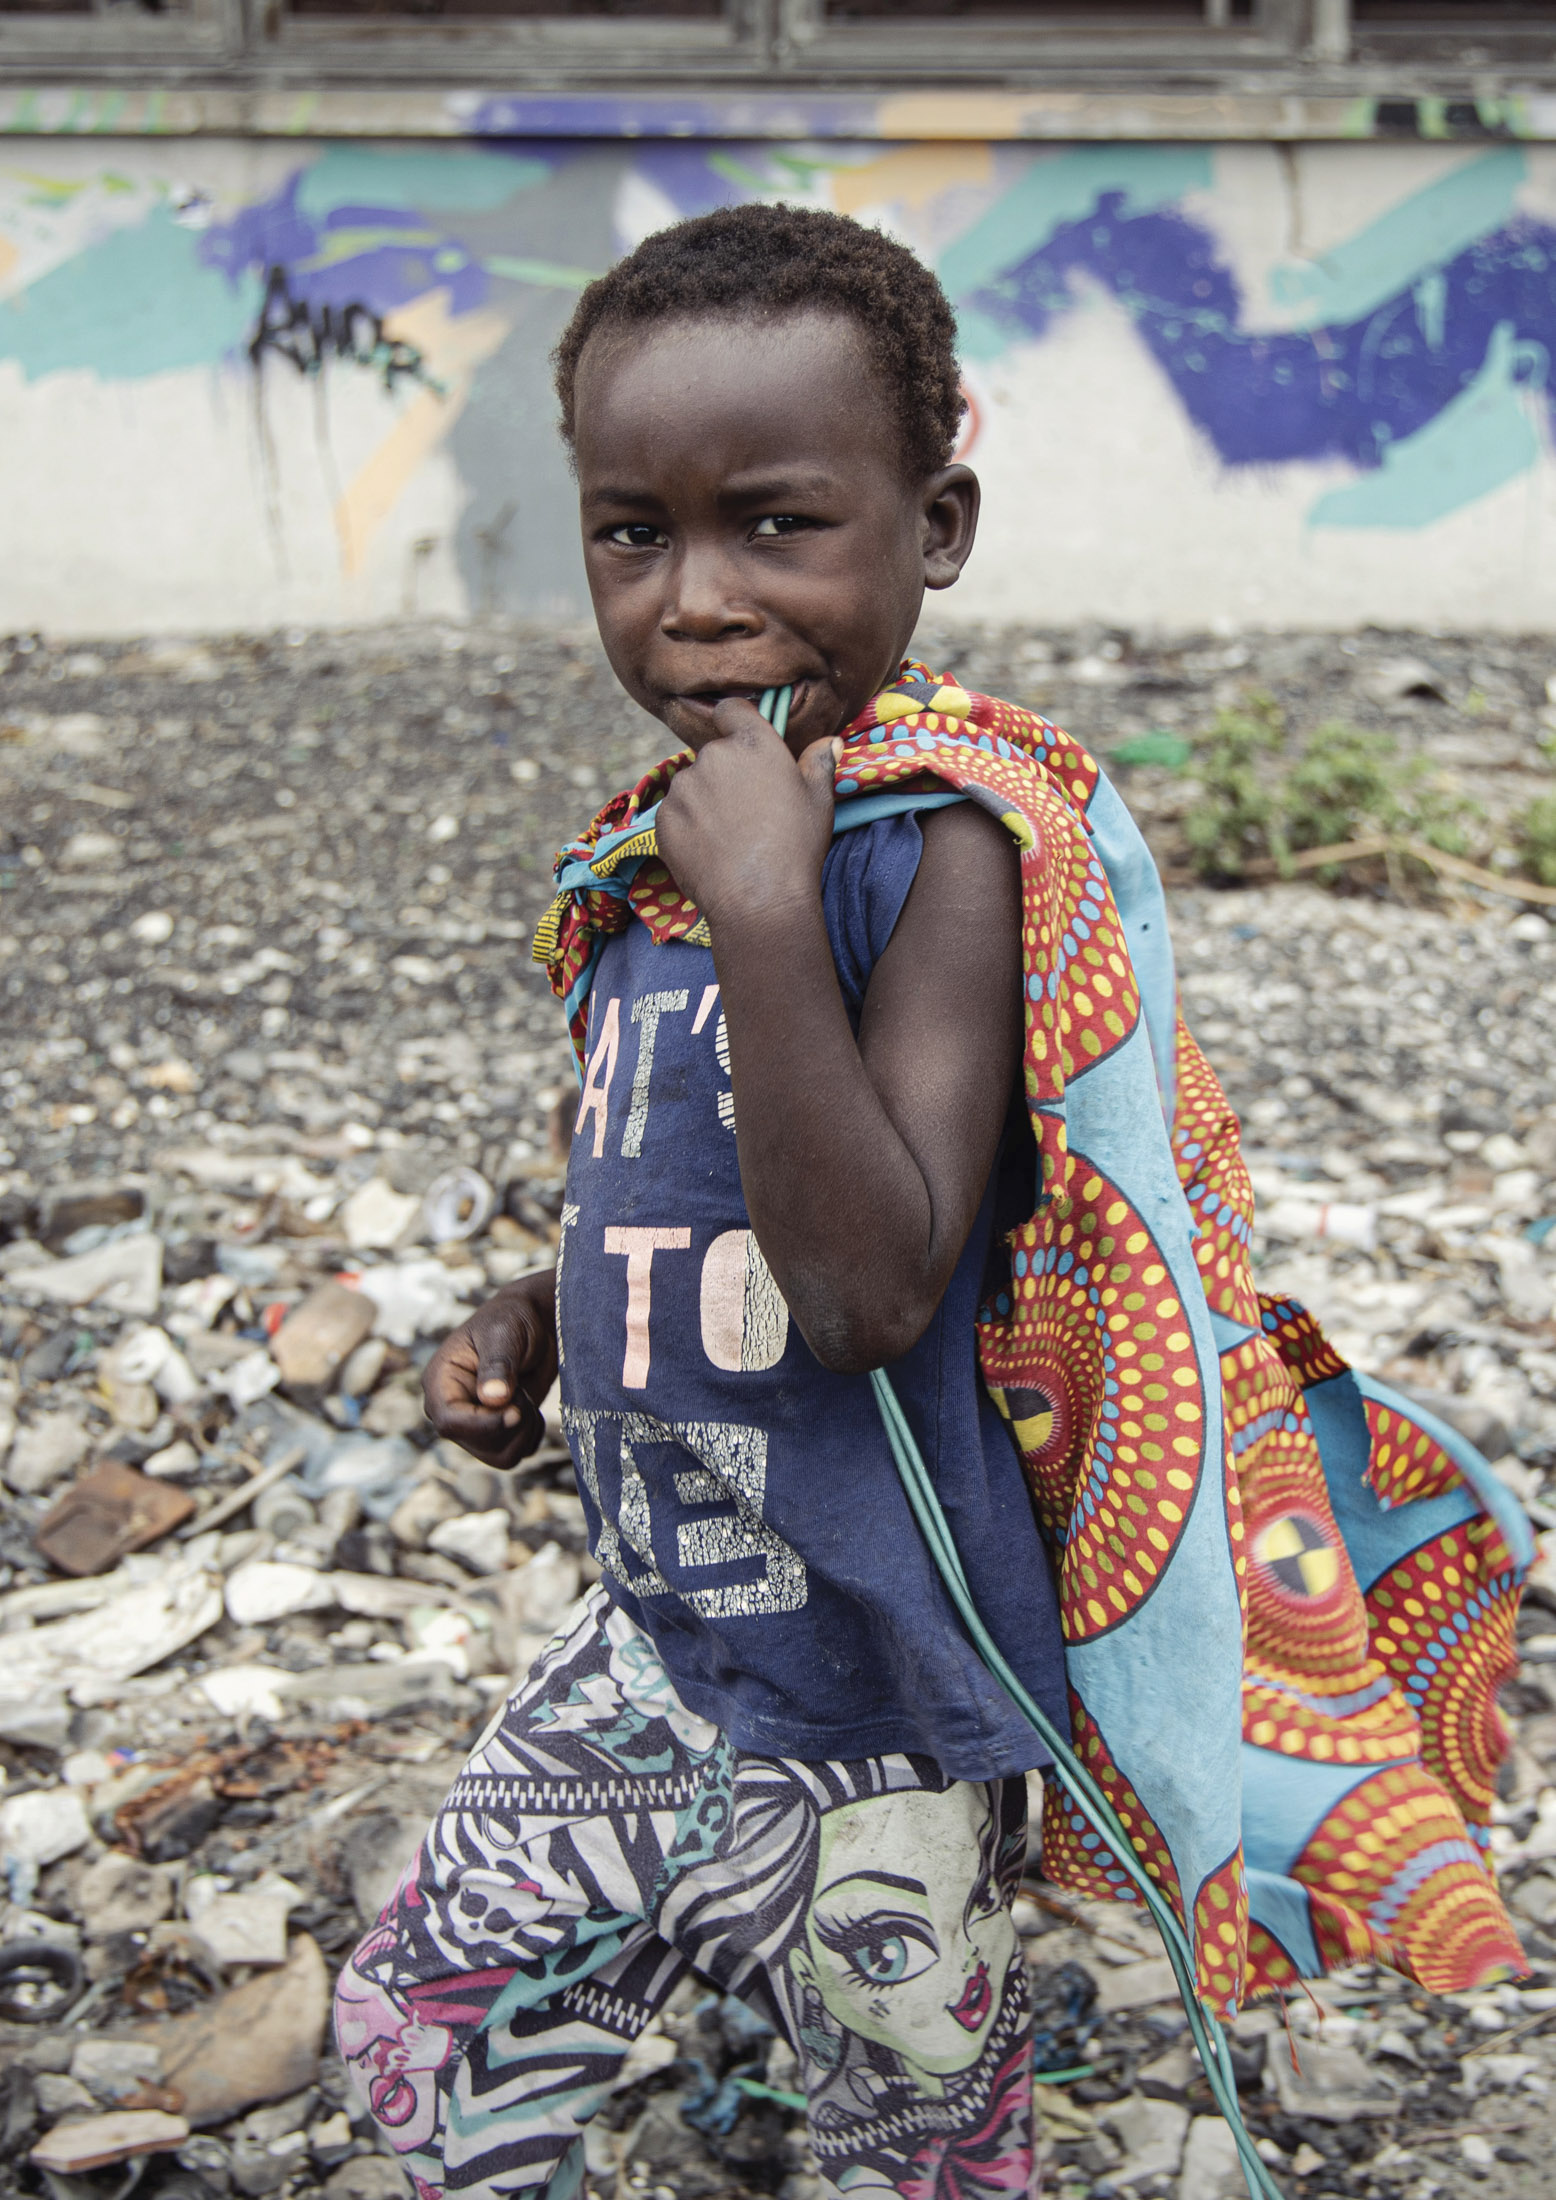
[{"x": 265, "y": 910}]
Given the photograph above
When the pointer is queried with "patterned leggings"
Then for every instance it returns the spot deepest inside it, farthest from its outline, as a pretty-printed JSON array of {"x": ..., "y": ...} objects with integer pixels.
[{"x": 601, "y": 1842}]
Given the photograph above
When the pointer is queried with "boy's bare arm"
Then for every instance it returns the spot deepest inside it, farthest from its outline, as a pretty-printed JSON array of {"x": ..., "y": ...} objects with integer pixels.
[{"x": 863, "y": 1164}]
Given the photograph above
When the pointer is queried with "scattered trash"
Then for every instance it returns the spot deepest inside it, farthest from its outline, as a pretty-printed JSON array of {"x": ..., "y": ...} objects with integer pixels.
[
  {"x": 319, "y": 1335},
  {"x": 40, "y": 1981},
  {"x": 458, "y": 1205},
  {"x": 223, "y": 1287},
  {"x": 1403, "y": 679},
  {"x": 1341, "y": 1220},
  {"x": 254, "y": 2044},
  {"x": 107, "y": 1514},
  {"x": 93, "y": 2142},
  {"x": 477, "y": 1540},
  {"x": 124, "y": 1276},
  {"x": 376, "y": 1217},
  {"x": 45, "y": 1452},
  {"x": 246, "y": 1925},
  {"x": 122, "y": 1894}
]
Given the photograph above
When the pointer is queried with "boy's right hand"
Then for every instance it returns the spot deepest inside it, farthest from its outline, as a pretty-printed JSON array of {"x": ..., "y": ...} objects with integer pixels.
[{"x": 484, "y": 1384}]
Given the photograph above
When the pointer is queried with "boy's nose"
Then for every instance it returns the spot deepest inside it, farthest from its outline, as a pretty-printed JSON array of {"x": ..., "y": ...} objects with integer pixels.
[{"x": 704, "y": 602}]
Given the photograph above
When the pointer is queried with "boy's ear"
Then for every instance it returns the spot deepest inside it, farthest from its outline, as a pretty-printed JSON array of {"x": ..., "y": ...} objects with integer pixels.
[{"x": 951, "y": 500}]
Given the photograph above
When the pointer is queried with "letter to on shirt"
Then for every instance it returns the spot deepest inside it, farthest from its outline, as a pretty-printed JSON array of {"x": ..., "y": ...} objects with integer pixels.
[{"x": 744, "y": 1327}]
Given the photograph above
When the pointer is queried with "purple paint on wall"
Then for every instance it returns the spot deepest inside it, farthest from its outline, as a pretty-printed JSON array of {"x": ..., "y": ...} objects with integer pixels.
[{"x": 1342, "y": 391}]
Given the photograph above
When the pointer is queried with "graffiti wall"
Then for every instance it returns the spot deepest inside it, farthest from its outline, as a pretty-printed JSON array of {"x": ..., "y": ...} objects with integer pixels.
[{"x": 251, "y": 383}]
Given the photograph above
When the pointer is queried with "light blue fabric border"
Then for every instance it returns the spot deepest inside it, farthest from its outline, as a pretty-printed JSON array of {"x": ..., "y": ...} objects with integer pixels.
[
  {"x": 1281, "y": 1906},
  {"x": 1168, "y": 1680},
  {"x": 1142, "y": 910}
]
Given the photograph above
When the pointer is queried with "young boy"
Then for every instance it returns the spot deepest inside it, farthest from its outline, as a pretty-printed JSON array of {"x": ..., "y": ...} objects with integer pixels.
[
  {"x": 767, "y": 1748},
  {"x": 843, "y": 1023}
]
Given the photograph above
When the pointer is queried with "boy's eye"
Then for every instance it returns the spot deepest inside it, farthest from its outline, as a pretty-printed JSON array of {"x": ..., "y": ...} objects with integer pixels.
[
  {"x": 637, "y": 535},
  {"x": 778, "y": 523}
]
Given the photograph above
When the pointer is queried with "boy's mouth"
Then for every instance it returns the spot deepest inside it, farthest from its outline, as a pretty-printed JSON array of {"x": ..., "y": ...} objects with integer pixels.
[{"x": 703, "y": 702}]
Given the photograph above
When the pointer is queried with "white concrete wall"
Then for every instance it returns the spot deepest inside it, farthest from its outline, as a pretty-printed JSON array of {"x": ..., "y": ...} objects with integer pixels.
[{"x": 255, "y": 383}]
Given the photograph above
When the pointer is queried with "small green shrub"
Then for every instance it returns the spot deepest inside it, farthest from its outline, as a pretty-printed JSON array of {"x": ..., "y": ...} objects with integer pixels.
[
  {"x": 1254, "y": 800},
  {"x": 1537, "y": 839},
  {"x": 1234, "y": 818}
]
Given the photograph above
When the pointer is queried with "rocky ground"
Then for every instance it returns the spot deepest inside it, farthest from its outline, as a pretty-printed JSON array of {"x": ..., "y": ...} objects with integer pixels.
[{"x": 270, "y": 1023}]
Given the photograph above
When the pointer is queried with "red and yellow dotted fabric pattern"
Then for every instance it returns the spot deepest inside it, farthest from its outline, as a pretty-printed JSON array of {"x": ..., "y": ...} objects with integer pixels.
[
  {"x": 1392, "y": 1876},
  {"x": 1443, "y": 1625}
]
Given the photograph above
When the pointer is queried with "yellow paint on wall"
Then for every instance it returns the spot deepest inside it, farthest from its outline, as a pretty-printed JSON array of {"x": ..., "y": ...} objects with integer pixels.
[
  {"x": 911, "y": 176},
  {"x": 452, "y": 346},
  {"x": 967, "y": 115},
  {"x": 9, "y": 255}
]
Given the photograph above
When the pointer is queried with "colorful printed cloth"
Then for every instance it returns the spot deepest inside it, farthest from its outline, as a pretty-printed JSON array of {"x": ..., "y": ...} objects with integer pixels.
[
  {"x": 601, "y": 1843},
  {"x": 1288, "y": 1596}
]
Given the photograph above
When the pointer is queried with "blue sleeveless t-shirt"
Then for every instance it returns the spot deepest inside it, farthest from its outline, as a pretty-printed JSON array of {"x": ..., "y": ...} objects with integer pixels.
[{"x": 741, "y": 1498}]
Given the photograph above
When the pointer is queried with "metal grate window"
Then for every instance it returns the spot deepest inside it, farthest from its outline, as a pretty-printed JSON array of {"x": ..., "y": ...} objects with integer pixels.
[
  {"x": 504, "y": 11},
  {"x": 1070, "y": 14},
  {"x": 1455, "y": 31}
]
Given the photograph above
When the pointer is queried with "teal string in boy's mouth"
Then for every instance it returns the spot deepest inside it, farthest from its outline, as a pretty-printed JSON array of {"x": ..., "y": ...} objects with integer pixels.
[{"x": 774, "y": 707}]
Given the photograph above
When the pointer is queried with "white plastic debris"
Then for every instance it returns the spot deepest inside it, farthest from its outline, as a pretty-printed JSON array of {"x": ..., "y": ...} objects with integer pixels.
[
  {"x": 149, "y": 1356},
  {"x": 244, "y": 1925},
  {"x": 135, "y": 1631},
  {"x": 248, "y": 1379},
  {"x": 37, "y": 1829},
  {"x": 1344, "y": 1221},
  {"x": 457, "y": 1205},
  {"x": 245, "y": 1691},
  {"x": 477, "y": 1540},
  {"x": 376, "y": 1217},
  {"x": 270, "y": 1589},
  {"x": 179, "y": 1457},
  {"x": 44, "y": 1453},
  {"x": 419, "y": 1297},
  {"x": 125, "y": 1275}
]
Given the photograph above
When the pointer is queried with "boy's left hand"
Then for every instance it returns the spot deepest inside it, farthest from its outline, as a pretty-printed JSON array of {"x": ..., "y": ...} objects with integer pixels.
[{"x": 745, "y": 829}]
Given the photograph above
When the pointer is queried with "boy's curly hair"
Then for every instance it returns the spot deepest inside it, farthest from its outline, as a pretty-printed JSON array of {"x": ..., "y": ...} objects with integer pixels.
[{"x": 773, "y": 259}]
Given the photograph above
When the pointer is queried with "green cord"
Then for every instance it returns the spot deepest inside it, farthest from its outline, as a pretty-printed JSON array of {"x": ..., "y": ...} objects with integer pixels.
[
  {"x": 774, "y": 707},
  {"x": 756, "y": 2091},
  {"x": 1088, "y": 1797}
]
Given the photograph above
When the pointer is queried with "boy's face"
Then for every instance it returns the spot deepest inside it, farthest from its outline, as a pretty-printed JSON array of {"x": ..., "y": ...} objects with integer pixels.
[{"x": 747, "y": 519}]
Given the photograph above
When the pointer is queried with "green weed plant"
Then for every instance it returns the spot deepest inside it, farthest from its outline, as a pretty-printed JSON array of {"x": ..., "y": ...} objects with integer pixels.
[{"x": 1257, "y": 798}]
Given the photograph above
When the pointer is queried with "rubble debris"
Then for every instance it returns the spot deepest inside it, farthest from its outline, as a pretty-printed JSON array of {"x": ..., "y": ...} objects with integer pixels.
[
  {"x": 44, "y": 1452},
  {"x": 320, "y": 1334},
  {"x": 107, "y": 1514},
  {"x": 232, "y": 1114},
  {"x": 124, "y": 1276},
  {"x": 122, "y": 1894},
  {"x": 243, "y": 1925},
  {"x": 254, "y": 2044},
  {"x": 93, "y": 2142},
  {"x": 376, "y": 1217},
  {"x": 40, "y": 1981},
  {"x": 457, "y": 1206}
]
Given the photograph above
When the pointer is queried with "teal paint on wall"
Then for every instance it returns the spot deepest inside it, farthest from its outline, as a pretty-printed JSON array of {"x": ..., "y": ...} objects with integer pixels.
[
  {"x": 432, "y": 180},
  {"x": 1480, "y": 440},
  {"x": 1427, "y": 229},
  {"x": 136, "y": 302},
  {"x": 1062, "y": 188}
]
